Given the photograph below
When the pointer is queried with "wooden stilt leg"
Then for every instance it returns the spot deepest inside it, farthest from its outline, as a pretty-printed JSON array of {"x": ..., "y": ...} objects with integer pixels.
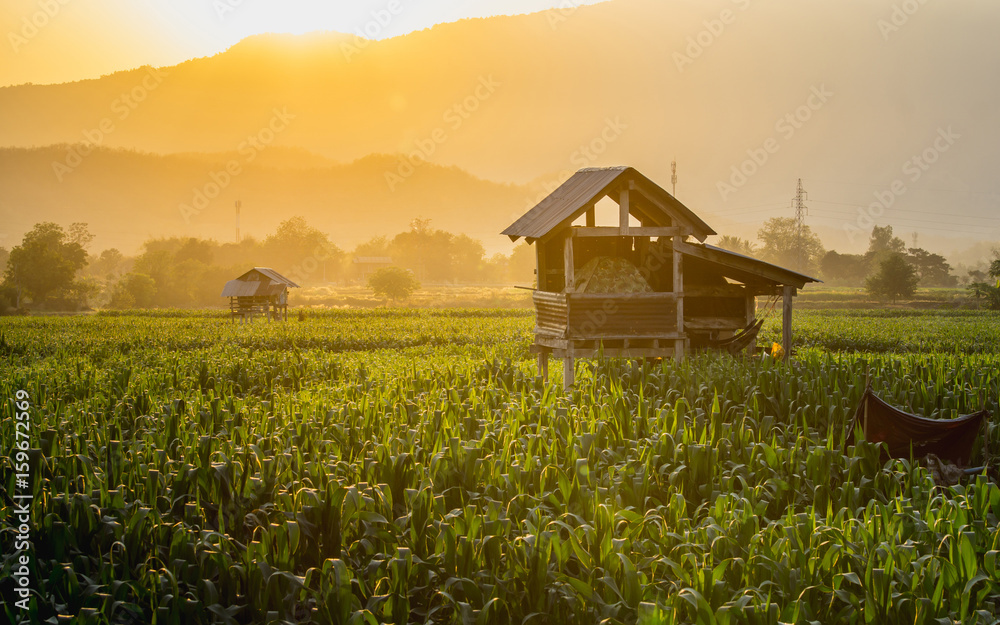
[
  {"x": 569, "y": 378},
  {"x": 543, "y": 365}
]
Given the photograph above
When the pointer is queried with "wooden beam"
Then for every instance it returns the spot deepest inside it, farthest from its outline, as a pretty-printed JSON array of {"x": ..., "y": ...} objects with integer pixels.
[
  {"x": 591, "y": 216},
  {"x": 610, "y": 231},
  {"x": 623, "y": 212},
  {"x": 786, "y": 322},
  {"x": 569, "y": 271},
  {"x": 687, "y": 225},
  {"x": 732, "y": 290},
  {"x": 541, "y": 267}
]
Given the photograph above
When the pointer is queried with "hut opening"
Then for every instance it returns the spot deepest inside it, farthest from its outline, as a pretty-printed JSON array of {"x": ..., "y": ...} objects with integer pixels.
[
  {"x": 643, "y": 287},
  {"x": 260, "y": 291}
]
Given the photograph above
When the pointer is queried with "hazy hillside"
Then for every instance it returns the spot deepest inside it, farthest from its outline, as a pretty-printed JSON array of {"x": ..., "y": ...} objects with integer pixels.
[
  {"x": 636, "y": 82},
  {"x": 128, "y": 197}
]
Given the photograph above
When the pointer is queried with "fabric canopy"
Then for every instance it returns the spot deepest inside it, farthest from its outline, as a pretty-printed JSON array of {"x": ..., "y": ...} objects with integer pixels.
[{"x": 948, "y": 439}]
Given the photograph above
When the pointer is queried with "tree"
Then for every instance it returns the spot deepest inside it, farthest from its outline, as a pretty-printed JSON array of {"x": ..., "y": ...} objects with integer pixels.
[
  {"x": 988, "y": 292},
  {"x": 302, "y": 252},
  {"x": 79, "y": 234},
  {"x": 521, "y": 266},
  {"x": 894, "y": 278},
  {"x": 44, "y": 265},
  {"x": 736, "y": 244},
  {"x": 933, "y": 269},
  {"x": 847, "y": 269},
  {"x": 108, "y": 263},
  {"x": 4, "y": 255},
  {"x": 782, "y": 245},
  {"x": 377, "y": 246},
  {"x": 881, "y": 244},
  {"x": 394, "y": 283},
  {"x": 134, "y": 290},
  {"x": 468, "y": 258},
  {"x": 427, "y": 252}
]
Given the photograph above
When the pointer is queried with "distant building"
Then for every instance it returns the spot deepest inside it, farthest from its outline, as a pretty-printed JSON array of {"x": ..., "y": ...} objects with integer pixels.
[
  {"x": 259, "y": 291},
  {"x": 365, "y": 266}
]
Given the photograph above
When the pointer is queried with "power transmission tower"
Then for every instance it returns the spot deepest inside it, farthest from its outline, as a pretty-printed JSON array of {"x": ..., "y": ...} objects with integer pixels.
[
  {"x": 801, "y": 210},
  {"x": 673, "y": 177}
]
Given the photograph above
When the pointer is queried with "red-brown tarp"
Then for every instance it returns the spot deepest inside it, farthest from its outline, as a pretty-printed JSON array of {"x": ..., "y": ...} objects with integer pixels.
[{"x": 948, "y": 439}]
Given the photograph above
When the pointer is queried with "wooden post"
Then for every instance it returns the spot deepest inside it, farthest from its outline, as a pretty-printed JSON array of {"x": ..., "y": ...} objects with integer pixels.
[
  {"x": 543, "y": 365},
  {"x": 568, "y": 370},
  {"x": 751, "y": 307},
  {"x": 569, "y": 271},
  {"x": 591, "y": 217},
  {"x": 623, "y": 211},
  {"x": 679, "y": 344},
  {"x": 786, "y": 325}
]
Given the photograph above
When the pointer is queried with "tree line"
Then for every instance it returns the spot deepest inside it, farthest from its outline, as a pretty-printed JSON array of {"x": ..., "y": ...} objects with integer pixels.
[
  {"x": 887, "y": 270},
  {"x": 53, "y": 268}
]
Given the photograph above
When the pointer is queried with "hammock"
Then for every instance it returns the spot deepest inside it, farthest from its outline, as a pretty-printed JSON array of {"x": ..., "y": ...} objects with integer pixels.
[
  {"x": 738, "y": 342},
  {"x": 948, "y": 439}
]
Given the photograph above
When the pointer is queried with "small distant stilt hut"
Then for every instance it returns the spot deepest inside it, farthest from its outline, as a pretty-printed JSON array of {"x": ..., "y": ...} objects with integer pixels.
[{"x": 261, "y": 291}]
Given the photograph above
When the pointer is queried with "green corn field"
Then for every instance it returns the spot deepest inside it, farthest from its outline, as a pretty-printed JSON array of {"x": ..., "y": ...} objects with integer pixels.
[{"x": 402, "y": 466}]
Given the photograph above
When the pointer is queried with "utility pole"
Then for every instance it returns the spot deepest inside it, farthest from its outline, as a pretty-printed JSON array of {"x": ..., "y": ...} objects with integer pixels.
[
  {"x": 673, "y": 177},
  {"x": 800, "y": 220},
  {"x": 239, "y": 205}
]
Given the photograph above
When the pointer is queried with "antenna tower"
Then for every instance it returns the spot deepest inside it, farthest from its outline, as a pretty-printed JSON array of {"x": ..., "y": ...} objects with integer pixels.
[
  {"x": 801, "y": 210},
  {"x": 239, "y": 204},
  {"x": 673, "y": 177}
]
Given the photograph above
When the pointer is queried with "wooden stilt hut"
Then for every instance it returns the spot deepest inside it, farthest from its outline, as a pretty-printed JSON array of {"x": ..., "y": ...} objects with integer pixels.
[
  {"x": 642, "y": 287},
  {"x": 260, "y": 291}
]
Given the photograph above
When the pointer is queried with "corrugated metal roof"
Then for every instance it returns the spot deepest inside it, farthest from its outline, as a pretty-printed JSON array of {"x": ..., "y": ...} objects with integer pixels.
[
  {"x": 747, "y": 268},
  {"x": 568, "y": 201},
  {"x": 266, "y": 272},
  {"x": 252, "y": 288}
]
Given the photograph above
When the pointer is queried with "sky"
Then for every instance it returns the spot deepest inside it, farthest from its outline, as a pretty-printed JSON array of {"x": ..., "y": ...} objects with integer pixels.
[{"x": 52, "y": 41}]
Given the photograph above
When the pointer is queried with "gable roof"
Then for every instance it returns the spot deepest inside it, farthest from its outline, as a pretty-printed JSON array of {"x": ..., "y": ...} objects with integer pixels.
[
  {"x": 259, "y": 282},
  {"x": 745, "y": 268},
  {"x": 586, "y": 186},
  {"x": 253, "y": 288},
  {"x": 257, "y": 274}
]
